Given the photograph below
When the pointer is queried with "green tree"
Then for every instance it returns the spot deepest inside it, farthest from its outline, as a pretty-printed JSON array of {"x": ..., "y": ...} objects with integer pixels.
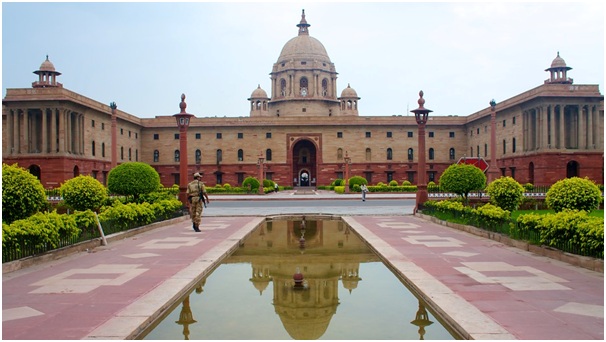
[
  {"x": 83, "y": 192},
  {"x": 22, "y": 193},
  {"x": 133, "y": 179},
  {"x": 461, "y": 179},
  {"x": 506, "y": 193},
  {"x": 357, "y": 180},
  {"x": 251, "y": 184},
  {"x": 574, "y": 194}
]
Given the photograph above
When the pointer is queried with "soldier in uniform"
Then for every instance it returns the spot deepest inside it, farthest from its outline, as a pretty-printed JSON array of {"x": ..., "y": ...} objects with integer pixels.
[{"x": 196, "y": 193}]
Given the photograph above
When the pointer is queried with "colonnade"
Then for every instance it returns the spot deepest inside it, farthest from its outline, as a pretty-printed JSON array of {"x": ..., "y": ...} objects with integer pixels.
[
  {"x": 45, "y": 130},
  {"x": 315, "y": 88},
  {"x": 562, "y": 126}
]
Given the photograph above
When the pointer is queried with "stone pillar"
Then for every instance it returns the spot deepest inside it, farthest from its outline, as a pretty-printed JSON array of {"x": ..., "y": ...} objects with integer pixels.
[
  {"x": 562, "y": 135},
  {"x": 44, "y": 131},
  {"x": 590, "y": 143},
  {"x": 552, "y": 127},
  {"x": 15, "y": 148},
  {"x": 580, "y": 135},
  {"x": 53, "y": 131},
  {"x": 62, "y": 131}
]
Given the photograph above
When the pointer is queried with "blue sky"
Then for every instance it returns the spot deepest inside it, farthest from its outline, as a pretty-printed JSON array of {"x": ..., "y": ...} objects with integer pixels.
[{"x": 144, "y": 55}]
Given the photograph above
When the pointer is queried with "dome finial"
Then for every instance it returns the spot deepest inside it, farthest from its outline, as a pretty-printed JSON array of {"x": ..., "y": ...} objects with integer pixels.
[{"x": 303, "y": 25}]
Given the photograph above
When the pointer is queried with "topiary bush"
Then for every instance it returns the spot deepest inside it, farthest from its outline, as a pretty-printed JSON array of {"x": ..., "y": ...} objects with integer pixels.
[
  {"x": 133, "y": 179},
  {"x": 574, "y": 194},
  {"x": 22, "y": 193},
  {"x": 406, "y": 183},
  {"x": 506, "y": 193},
  {"x": 393, "y": 183},
  {"x": 338, "y": 182},
  {"x": 461, "y": 179},
  {"x": 356, "y": 180},
  {"x": 83, "y": 192},
  {"x": 251, "y": 184}
]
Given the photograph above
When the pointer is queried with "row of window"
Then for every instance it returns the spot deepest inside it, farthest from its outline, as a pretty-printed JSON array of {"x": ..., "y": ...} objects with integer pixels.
[
  {"x": 121, "y": 130},
  {"x": 130, "y": 154},
  {"x": 513, "y": 148},
  {"x": 268, "y": 155},
  {"x": 513, "y": 120}
]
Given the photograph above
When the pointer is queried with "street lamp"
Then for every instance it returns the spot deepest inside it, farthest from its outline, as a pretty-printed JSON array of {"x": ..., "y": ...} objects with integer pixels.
[
  {"x": 492, "y": 170},
  {"x": 114, "y": 152},
  {"x": 183, "y": 119},
  {"x": 421, "y": 115},
  {"x": 261, "y": 169},
  {"x": 347, "y": 165}
]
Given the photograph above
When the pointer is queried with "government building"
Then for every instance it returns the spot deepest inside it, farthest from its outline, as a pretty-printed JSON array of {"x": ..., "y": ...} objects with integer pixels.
[{"x": 306, "y": 131}]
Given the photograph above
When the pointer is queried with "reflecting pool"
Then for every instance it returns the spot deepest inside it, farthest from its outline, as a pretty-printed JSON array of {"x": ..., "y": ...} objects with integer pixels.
[{"x": 300, "y": 279}]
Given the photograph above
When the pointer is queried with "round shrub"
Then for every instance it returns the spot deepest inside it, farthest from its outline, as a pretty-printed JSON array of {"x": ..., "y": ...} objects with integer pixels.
[
  {"x": 528, "y": 187},
  {"x": 461, "y": 179},
  {"x": 356, "y": 180},
  {"x": 393, "y": 183},
  {"x": 506, "y": 193},
  {"x": 133, "y": 179},
  {"x": 268, "y": 183},
  {"x": 83, "y": 192},
  {"x": 574, "y": 194},
  {"x": 251, "y": 184},
  {"x": 406, "y": 183},
  {"x": 22, "y": 193},
  {"x": 338, "y": 182},
  {"x": 227, "y": 186}
]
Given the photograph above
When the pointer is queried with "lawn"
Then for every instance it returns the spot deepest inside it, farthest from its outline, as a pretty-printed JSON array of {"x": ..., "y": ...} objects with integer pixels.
[{"x": 516, "y": 213}]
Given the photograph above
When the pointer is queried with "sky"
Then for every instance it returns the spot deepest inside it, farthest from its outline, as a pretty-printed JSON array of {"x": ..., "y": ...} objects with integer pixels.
[{"x": 144, "y": 55}]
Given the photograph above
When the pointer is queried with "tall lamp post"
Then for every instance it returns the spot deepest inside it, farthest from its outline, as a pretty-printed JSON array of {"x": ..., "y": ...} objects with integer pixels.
[
  {"x": 261, "y": 169},
  {"x": 347, "y": 160},
  {"x": 183, "y": 123},
  {"x": 421, "y": 115},
  {"x": 114, "y": 160},
  {"x": 492, "y": 170}
]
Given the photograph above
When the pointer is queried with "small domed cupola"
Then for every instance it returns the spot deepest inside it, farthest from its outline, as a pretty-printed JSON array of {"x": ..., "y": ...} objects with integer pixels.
[
  {"x": 349, "y": 101},
  {"x": 258, "y": 102},
  {"x": 558, "y": 71},
  {"x": 303, "y": 25},
  {"x": 47, "y": 76}
]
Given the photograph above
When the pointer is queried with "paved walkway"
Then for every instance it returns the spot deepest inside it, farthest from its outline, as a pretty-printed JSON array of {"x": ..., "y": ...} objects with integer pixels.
[{"x": 485, "y": 289}]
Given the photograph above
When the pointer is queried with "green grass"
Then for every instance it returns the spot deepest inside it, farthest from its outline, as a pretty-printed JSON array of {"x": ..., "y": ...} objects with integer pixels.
[{"x": 516, "y": 213}]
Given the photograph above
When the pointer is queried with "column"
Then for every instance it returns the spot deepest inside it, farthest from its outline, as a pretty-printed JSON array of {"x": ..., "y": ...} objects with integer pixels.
[
  {"x": 25, "y": 145},
  {"x": 62, "y": 130},
  {"x": 552, "y": 127},
  {"x": 44, "y": 131},
  {"x": 15, "y": 147},
  {"x": 562, "y": 135},
  {"x": 590, "y": 143},
  {"x": 53, "y": 131},
  {"x": 524, "y": 131},
  {"x": 580, "y": 136}
]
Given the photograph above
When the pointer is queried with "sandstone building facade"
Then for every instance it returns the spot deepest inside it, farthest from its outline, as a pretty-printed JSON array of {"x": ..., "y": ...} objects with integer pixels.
[{"x": 305, "y": 131}]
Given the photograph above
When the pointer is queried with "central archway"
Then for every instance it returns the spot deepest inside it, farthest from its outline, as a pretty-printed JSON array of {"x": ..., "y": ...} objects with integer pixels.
[{"x": 304, "y": 171}]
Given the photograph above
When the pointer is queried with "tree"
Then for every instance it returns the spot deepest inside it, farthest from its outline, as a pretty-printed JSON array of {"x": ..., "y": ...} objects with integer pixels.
[
  {"x": 22, "y": 193},
  {"x": 133, "y": 179},
  {"x": 359, "y": 180},
  {"x": 83, "y": 192},
  {"x": 461, "y": 179},
  {"x": 573, "y": 193},
  {"x": 251, "y": 183},
  {"x": 506, "y": 193}
]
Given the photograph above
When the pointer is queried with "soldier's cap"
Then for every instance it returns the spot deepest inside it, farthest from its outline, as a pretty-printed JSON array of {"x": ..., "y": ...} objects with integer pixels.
[{"x": 197, "y": 175}]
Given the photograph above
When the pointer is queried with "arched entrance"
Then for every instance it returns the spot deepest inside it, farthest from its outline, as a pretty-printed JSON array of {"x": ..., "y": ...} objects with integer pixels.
[
  {"x": 76, "y": 171},
  {"x": 572, "y": 169},
  {"x": 304, "y": 154},
  {"x": 35, "y": 170}
]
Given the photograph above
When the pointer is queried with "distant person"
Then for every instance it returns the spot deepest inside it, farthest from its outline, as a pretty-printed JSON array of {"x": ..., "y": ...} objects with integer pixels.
[
  {"x": 276, "y": 187},
  {"x": 364, "y": 191},
  {"x": 196, "y": 193}
]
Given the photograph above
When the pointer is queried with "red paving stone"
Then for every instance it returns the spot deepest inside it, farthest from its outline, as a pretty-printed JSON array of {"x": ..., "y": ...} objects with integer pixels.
[{"x": 507, "y": 290}]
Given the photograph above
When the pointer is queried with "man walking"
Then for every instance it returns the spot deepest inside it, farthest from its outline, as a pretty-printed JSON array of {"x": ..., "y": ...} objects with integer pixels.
[{"x": 196, "y": 193}]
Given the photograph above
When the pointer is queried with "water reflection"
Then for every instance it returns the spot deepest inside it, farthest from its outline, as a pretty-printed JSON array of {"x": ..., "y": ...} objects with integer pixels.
[{"x": 304, "y": 263}]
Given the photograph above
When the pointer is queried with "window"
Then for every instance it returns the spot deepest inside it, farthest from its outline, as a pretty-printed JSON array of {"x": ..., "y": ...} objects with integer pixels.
[
  {"x": 451, "y": 134},
  {"x": 93, "y": 123},
  {"x": 130, "y": 154},
  {"x": 129, "y": 134},
  {"x": 240, "y": 178},
  {"x": 339, "y": 134},
  {"x": 240, "y": 135},
  {"x": 478, "y": 130},
  {"x": 431, "y": 134},
  {"x": 219, "y": 136},
  {"x": 177, "y": 155},
  {"x": 102, "y": 149},
  {"x": 121, "y": 131},
  {"x": 389, "y": 134},
  {"x": 513, "y": 120},
  {"x": 410, "y": 134},
  {"x": 219, "y": 178},
  {"x": 303, "y": 86},
  {"x": 122, "y": 152},
  {"x": 389, "y": 154},
  {"x": 325, "y": 87},
  {"x": 368, "y": 134},
  {"x": 156, "y": 136},
  {"x": 304, "y": 110},
  {"x": 410, "y": 154},
  {"x": 198, "y": 156},
  {"x": 103, "y": 126},
  {"x": 368, "y": 154},
  {"x": 477, "y": 150},
  {"x": 93, "y": 146},
  {"x": 339, "y": 154},
  {"x": 282, "y": 87},
  {"x": 268, "y": 154},
  {"x": 513, "y": 145},
  {"x": 156, "y": 156},
  {"x": 176, "y": 136},
  {"x": 451, "y": 154},
  {"x": 504, "y": 147},
  {"x": 137, "y": 155},
  {"x": 240, "y": 155},
  {"x": 485, "y": 129},
  {"x": 136, "y": 135},
  {"x": 219, "y": 157},
  {"x": 268, "y": 135},
  {"x": 198, "y": 136},
  {"x": 504, "y": 122},
  {"x": 431, "y": 154},
  {"x": 485, "y": 149}
]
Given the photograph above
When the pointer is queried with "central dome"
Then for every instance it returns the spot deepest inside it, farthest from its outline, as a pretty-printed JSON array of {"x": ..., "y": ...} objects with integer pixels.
[{"x": 303, "y": 46}]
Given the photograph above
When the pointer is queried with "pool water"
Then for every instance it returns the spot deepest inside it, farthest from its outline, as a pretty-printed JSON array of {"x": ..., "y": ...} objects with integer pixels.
[{"x": 346, "y": 292}]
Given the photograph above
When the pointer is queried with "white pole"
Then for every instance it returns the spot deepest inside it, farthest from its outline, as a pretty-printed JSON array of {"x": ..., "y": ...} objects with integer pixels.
[{"x": 103, "y": 240}]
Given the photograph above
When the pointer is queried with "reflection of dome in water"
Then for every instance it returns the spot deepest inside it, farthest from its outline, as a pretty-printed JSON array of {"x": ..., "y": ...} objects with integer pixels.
[
  {"x": 260, "y": 284},
  {"x": 306, "y": 323}
]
